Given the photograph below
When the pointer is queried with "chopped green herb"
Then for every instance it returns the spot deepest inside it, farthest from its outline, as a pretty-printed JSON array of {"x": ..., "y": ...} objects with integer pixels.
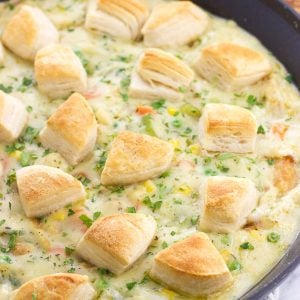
[
  {"x": 85, "y": 62},
  {"x": 270, "y": 161},
  {"x": 147, "y": 122},
  {"x": 84, "y": 180},
  {"x": 226, "y": 240},
  {"x": 6, "y": 89},
  {"x": 152, "y": 205},
  {"x": 131, "y": 210},
  {"x": 222, "y": 168},
  {"x": 158, "y": 104},
  {"x": 225, "y": 156},
  {"x": 2, "y": 222},
  {"x": 69, "y": 251},
  {"x": 117, "y": 189},
  {"x": 101, "y": 162},
  {"x": 5, "y": 259},
  {"x": 29, "y": 135},
  {"x": 177, "y": 123},
  {"x": 86, "y": 220},
  {"x": 261, "y": 130},
  {"x": 247, "y": 246},
  {"x": 11, "y": 178},
  {"x": 273, "y": 237},
  {"x": 190, "y": 110},
  {"x": 131, "y": 285},
  {"x": 71, "y": 212},
  {"x": 252, "y": 100},
  {"x": 14, "y": 147},
  {"x": 182, "y": 89},
  {"x": 173, "y": 233},
  {"x": 101, "y": 285},
  {"x": 289, "y": 78},
  {"x": 96, "y": 215},
  {"x": 34, "y": 297},
  {"x": 12, "y": 242},
  {"x": 124, "y": 58},
  {"x": 210, "y": 172},
  {"x": 234, "y": 265},
  {"x": 27, "y": 158},
  {"x": 124, "y": 96},
  {"x": 194, "y": 220},
  {"x": 164, "y": 245},
  {"x": 71, "y": 270},
  {"x": 165, "y": 174},
  {"x": 29, "y": 108}
]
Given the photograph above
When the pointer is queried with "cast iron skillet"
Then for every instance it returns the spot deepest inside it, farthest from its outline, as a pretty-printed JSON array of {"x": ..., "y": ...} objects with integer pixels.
[{"x": 278, "y": 28}]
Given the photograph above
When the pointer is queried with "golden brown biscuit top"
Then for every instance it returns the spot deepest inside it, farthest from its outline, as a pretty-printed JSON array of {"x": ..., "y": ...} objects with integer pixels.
[{"x": 73, "y": 119}]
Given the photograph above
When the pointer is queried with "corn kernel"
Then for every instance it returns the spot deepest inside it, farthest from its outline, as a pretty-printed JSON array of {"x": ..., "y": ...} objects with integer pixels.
[
  {"x": 172, "y": 111},
  {"x": 176, "y": 144},
  {"x": 225, "y": 254},
  {"x": 16, "y": 154},
  {"x": 60, "y": 215},
  {"x": 184, "y": 189},
  {"x": 195, "y": 149},
  {"x": 102, "y": 117},
  {"x": 149, "y": 186},
  {"x": 256, "y": 235}
]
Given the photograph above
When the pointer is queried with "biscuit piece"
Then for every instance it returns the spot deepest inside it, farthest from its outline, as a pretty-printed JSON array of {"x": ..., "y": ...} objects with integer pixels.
[
  {"x": 227, "y": 128},
  {"x": 59, "y": 72},
  {"x": 118, "y": 18},
  {"x": 71, "y": 130},
  {"x": 193, "y": 267},
  {"x": 173, "y": 24},
  {"x": 227, "y": 203},
  {"x": 29, "y": 31},
  {"x": 43, "y": 189},
  {"x": 116, "y": 242},
  {"x": 57, "y": 286},
  {"x": 232, "y": 66},
  {"x": 13, "y": 117},
  {"x": 159, "y": 74},
  {"x": 136, "y": 157}
]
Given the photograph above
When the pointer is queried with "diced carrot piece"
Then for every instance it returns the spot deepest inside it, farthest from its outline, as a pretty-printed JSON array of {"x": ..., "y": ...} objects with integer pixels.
[
  {"x": 145, "y": 110},
  {"x": 280, "y": 130}
]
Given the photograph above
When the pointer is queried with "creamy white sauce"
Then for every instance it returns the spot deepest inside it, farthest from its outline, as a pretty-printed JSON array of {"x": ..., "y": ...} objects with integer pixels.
[{"x": 112, "y": 62}]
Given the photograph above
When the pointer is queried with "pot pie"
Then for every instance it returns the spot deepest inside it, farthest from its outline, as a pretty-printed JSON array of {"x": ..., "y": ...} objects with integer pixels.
[{"x": 148, "y": 150}]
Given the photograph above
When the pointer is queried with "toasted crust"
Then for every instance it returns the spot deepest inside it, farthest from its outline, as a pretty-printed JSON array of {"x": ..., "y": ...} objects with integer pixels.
[
  {"x": 226, "y": 127},
  {"x": 231, "y": 65},
  {"x": 192, "y": 266},
  {"x": 227, "y": 203},
  {"x": 13, "y": 117},
  {"x": 74, "y": 119},
  {"x": 75, "y": 125},
  {"x": 285, "y": 174},
  {"x": 222, "y": 119},
  {"x": 55, "y": 286},
  {"x": 28, "y": 31},
  {"x": 59, "y": 72},
  {"x": 124, "y": 238},
  {"x": 125, "y": 10},
  {"x": 122, "y": 19},
  {"x": 43, "y": 189},
  {"x": 136, "y": 157},
  {"x": 157, "y": 66},
  {"x": 174, "y": 23}
]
